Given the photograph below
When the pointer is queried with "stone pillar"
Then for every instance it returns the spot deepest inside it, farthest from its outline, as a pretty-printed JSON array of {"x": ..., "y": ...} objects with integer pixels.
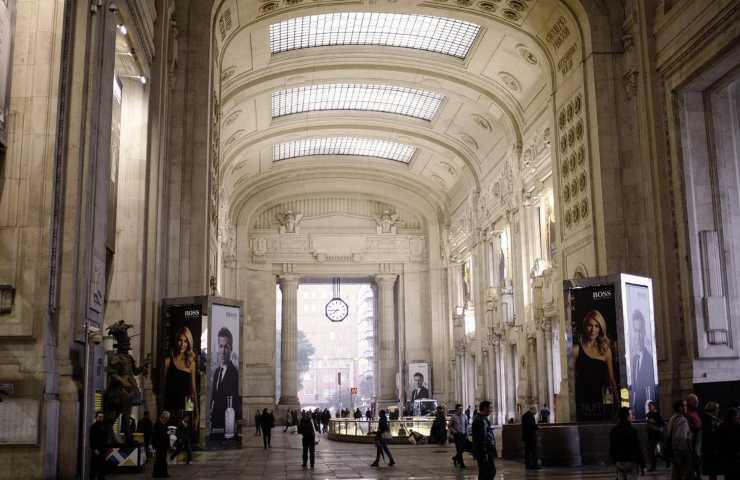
[
  {"x": 547, "y": 331},
  {"x": 289, "y": 342},
  {"x": 532, "y": 371},
  {"x": 387, "y": 368}
]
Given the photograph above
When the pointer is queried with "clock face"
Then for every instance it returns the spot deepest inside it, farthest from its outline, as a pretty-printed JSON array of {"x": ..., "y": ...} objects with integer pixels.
[{"x": 336, "y": 310}]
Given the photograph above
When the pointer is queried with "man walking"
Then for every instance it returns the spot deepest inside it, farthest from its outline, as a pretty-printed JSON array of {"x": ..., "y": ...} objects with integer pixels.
[
  {"x": 459, "y": 430},
  {"x": 161, "y": 440},
  {"x": 145, "y": 427},
  {"x": 484, "y": 444},
  {"x": 680, "y": 442},
  {"x": 624, "y": 447},
  {"x": 306, "y": 428},
  {"x": 267, "y": 421},
  {"x": 98, "y": 442},
  {"x": 184, "y": 440},
  {"x": 529, "y": 437}
]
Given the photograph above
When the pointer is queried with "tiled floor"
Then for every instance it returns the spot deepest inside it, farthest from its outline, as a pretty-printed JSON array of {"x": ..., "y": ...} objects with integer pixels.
[{"x": 335, "y": 460}]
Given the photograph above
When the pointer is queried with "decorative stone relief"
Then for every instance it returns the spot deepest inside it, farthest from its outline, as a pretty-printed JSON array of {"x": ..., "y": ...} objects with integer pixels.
[
  {"x": 387, "y": 222},
  {"x": 574, "y": 176},
  {"x": 527, "y": 54},
  {"x": 335, "y": 205},
  {"x": 510, "y": 10},
  {"x": 289, "y": 221},
  {"x": 510, "y": 81}
]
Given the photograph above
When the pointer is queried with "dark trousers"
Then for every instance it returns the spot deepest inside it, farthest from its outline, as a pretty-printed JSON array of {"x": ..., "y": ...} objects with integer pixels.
[
  {"x": 381, "y": 447},
  {"x": 257, "y": 426},
  {"x": 460, "y": 441},
  {"x": 486, "y": 468},
  {"x": 160, "y": 464},
  {"x": 97, "y": 466},
  {"x": 530, "y": 452},
  {"x": 266, "y": 437},
  {"x": 309, "y": 448}
]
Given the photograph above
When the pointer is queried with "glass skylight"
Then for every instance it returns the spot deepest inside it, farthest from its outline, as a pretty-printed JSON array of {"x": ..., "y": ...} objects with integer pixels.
[
  {"x": 343, "y": 96},
  {"x": 435, "y": 34},
  {"x": 365, "y": 147}
]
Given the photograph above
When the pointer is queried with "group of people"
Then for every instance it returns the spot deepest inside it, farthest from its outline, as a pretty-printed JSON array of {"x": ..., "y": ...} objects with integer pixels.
[
  {"x": 695, "y": 442},
  {"x": 156, "y": 437}
]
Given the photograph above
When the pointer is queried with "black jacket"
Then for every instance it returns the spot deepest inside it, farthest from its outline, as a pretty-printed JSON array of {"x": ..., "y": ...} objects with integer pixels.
[
  {"x": 305, "y": 428},
  {"x": 98, "y": 437},
  {"x": 483, "y": 440},
  {"x": 221, "y": 390},
  {"x": 624, "y": 444},
  {"x": 160, "y": 439},
  {"x": 267, "y": 421},
  {"x": 529, "y": 427}
]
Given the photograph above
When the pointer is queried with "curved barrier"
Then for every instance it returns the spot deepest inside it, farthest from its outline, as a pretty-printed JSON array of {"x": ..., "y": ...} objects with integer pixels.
[{"x": 363, "y": 431}]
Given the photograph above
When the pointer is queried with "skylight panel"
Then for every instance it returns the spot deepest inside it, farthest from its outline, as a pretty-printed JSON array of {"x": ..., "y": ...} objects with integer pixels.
[
  {"x": 435, "y": 34},
  {"x": 377, "y": 98},
  {"x": 365, "y": 147}
]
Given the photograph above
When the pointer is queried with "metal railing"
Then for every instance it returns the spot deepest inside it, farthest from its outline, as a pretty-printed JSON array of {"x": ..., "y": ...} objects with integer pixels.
[{"x": 363, "y": 427}]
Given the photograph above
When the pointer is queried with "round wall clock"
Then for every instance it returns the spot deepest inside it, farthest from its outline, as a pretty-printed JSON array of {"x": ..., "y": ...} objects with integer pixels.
[{"x": 336, "y": 309}]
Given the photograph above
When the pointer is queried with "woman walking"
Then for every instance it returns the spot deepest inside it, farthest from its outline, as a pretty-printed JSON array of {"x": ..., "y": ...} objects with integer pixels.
[{"x": 381, "y": 440}]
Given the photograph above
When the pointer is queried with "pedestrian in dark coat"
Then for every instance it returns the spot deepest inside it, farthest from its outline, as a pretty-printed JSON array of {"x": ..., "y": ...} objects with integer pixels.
[
  {"x": 484, "y": 443},
  {"x": 257, "y": 422},
  {"x": 624, "y": 447},
  {"x": 655, "y": 425},
  {"x": 729, "y": 432},
  {"x": 306, "y": 428},
  {"x": 145, "y": 426},
  {"x": 267, "y": 421},
  {"x": 529, "y": 437},
  {"x": 381, "y": 440},
  {"x": 98, "y": 444},
  {"x": 711, "y": 460},
  {"x": 161, "y": 441}
]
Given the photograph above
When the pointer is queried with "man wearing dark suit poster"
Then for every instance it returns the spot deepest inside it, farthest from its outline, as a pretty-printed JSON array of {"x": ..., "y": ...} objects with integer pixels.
[
  {"x": 225, "y": 383},
  {"x": 420, "y": 391},
  {"x": 643, "y": 372}
]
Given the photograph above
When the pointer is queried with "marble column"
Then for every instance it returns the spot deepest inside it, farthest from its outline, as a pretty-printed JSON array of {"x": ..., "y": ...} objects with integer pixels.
[
  {"x": 387, "y": 368},
  {"x": 547, "y": 329},
  {"x": 532, "y": 373},
  {"x": 289, "y": 341}
]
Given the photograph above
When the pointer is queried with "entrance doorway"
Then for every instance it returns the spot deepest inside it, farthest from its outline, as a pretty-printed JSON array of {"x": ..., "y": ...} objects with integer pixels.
[{"x": 336, "y": 359}]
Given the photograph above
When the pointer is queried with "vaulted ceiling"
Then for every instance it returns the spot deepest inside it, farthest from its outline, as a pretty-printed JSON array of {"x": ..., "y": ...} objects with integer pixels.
[{"x": 432, "y": 94}]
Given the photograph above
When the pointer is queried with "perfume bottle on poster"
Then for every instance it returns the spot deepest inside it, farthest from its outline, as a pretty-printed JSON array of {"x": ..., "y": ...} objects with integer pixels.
[{"x": 229, "y": 419}]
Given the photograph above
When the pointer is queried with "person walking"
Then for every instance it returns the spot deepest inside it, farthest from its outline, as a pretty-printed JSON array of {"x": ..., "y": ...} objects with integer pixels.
[
  {"x": 98, "y": 443},
  {"x": 693, "y": 416},
  {"x": 294, "y": 420},
  {"x": 624, "y": 447},
  {"x": 484, "y": 443},
  {"x": 184, "y": 440},
  {"x": 381, "y": 440},
  {"x": 711, "y": 442},
  {"x": 545, "y": 414},
  {"x": 655, "y": 425},
  {"x": 267, "y": 421},
  {"x": 439, "y": 427},
  {"x": 680, "y": 443},
  {"x": 306, "y": 428},
  {"x": 161, "y": 441},
  {"x": 287, "y": 421},
  {"x": 529, "y": 437},
  {"x": 459, "y": 430},
  {"x": 325, "y": 418},
  {"x": 257, "y": 422},
  {"x": 145, "y": 427},
  {"x": 729, "y": 432}
]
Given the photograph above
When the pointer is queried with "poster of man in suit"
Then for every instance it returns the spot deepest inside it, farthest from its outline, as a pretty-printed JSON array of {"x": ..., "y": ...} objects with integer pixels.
[
  {"x": 225, "y": 400},
  {"x": 419, "y": 381},
  {"x": 640, "y": 345}
]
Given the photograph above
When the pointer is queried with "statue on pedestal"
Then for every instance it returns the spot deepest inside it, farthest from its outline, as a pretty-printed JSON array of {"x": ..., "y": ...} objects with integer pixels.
[{"x": 122, "y": 391}]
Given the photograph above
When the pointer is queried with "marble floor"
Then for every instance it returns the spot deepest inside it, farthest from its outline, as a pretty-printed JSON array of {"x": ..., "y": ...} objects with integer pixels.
[{"x": 335, "y": 460}]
